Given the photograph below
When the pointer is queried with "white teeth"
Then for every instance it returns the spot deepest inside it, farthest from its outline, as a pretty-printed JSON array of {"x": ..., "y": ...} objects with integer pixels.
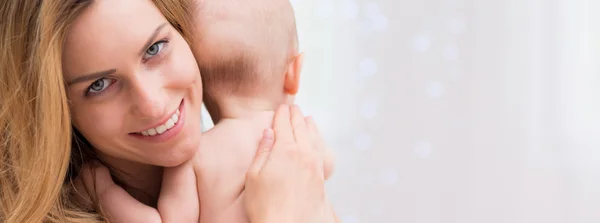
[
  {"x": 164, "y": 127},
  {"x": 170, "y": 124},
  {"x": 161, "y": 129}
]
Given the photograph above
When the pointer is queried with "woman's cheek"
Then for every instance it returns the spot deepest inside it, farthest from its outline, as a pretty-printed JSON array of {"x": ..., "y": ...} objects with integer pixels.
[
  {"x": 184, "y": 67},
  {"x": 100, "y": 127}
]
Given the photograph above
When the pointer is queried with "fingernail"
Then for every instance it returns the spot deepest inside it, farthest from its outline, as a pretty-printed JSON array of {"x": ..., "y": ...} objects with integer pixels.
[{"x": 295, "y": 108}]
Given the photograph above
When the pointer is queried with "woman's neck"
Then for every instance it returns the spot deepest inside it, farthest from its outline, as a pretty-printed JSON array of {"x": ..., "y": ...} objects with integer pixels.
[{"x": 141, "y": 181}]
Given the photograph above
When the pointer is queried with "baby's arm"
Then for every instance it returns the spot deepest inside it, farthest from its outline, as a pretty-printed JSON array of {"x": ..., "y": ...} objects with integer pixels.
[
  {"x": 178, "y": 201},
  {"x": 119, "y": 207},
  {"x": 116, "y": 204}
]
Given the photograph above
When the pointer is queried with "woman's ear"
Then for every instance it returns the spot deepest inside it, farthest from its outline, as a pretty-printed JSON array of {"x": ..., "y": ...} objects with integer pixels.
[{"x": 292, "y": 75}]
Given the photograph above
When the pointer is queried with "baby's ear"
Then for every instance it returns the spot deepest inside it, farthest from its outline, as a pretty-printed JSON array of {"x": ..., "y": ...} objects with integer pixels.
[{"x": 292, "y": 75}]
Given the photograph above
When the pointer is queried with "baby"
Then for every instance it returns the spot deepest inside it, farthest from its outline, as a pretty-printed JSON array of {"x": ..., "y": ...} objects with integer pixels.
[
  {"x": 247, "y": 51},
  {"x": 248, "y": 56}
]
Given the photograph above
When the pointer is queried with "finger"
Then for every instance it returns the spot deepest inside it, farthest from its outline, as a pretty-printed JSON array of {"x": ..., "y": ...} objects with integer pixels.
[
  {"x": 103, "y": 179},
  {"x": 83, "y": 189},
  {"x": 263, "y": 151},
  {"x": 314, "y": 133},
  {"x": 282, "y": 125},
  {"x": 328, "y": 164},
  {"x": 178, "y": 200},
  {"x": 96, "y": 178},
  {"x": 319, "y": 144},
  {"x": 86, "y": 176},
  {"x": 301, "y": 133},
  {"x": 332, "y": 213}
]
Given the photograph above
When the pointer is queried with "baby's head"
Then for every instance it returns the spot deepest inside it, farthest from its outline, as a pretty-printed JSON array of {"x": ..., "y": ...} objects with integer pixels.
[{"x": 247, "y": 49}]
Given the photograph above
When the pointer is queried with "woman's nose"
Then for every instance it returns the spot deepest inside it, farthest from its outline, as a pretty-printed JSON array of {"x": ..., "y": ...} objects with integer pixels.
[{"x": 149, "y": 100}]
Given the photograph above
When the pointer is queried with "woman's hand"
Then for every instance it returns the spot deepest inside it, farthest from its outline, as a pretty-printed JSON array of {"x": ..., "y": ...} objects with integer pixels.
[
  {"x": 286, "y": 180},
  {"x": 319, "y": 144}
]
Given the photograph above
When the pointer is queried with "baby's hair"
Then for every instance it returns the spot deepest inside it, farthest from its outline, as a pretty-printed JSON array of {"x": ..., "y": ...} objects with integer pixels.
[
  {"x": 258, "y": 54},
  {"x": 235, "y": 72}
]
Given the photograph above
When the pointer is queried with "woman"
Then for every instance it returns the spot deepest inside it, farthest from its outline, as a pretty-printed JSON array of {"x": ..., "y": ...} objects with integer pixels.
[{"x": 81, "y": 79}]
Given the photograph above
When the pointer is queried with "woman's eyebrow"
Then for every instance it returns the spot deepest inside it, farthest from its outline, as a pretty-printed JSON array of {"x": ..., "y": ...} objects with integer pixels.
[
  {"x": 101, "y": 74},
  {"x": 92, "y": 76}
]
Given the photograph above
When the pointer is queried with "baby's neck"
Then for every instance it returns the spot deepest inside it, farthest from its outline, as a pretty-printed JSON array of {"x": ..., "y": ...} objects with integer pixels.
[
  {"x": 257, "y": 120},
  {"x": 256, "y": 109}
]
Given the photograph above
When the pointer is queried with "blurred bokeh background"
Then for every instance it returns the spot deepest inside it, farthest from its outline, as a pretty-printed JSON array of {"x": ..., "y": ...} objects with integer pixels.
[{"x": 456, "y": 111}]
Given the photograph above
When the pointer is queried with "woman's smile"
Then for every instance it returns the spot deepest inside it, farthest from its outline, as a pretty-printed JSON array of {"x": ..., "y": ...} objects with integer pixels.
[{"x": 167, "y": 129}]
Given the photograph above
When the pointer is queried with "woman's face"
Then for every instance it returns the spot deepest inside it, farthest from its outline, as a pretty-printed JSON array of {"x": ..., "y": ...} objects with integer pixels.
[{"x": 133, "y": 83}]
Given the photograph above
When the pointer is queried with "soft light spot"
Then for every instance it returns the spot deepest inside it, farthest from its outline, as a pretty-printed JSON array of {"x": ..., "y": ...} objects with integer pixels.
[
  {"x": 376, "y": 209},
  {"x": 325, "y": 9},
  {"x": 421, "y": 43},
  {"x": 365, "y": 28},
  {"x": 422, "y": 149},
  {"x": 389, "y": 177},
  {"x": 455, "y": 72},
  {"x": 368, "y": 67},
  {"x": 456, "y": 26},
  {"x": 450, "y": 52},
  {"x": 354, "y": 81},
  {"x": 379, "y": 22},
  {"x": 369, "y": 109},
  {"x": 349, "y": 10},
  {"x": 350, "y": 219},
  {"x": 362, "y": 142},
  {"x": 371, "y": 9},
  {"x": 435, "y": 90}
]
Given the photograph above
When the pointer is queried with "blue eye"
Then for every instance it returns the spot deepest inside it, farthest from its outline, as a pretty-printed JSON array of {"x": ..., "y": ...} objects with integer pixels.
[
  {"x": 155, "y": 49},
  {"x": 99, "y": 85}
]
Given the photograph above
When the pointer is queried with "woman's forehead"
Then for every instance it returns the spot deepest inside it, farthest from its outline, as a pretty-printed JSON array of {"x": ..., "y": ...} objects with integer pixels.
[{"x": 108, "y": 29}]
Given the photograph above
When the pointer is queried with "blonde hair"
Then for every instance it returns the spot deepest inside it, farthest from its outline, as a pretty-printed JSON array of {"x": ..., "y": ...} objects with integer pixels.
[{"x": 36, "y": 161}]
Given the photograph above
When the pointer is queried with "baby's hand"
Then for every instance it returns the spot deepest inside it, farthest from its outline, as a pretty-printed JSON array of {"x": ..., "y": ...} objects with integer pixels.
[
  {"x": 95, "y": 181},
  {"x": 221, "y": 176},
  {"x": 178, "y": 201}
]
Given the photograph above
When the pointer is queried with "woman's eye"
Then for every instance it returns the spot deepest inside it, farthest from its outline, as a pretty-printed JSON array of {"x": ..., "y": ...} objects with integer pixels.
[
  {"x": 99, "y": 85},
  {"x": 155, "y": 49}
]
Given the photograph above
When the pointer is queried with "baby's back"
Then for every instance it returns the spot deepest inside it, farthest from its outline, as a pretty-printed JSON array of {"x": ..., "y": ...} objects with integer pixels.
[
  {"x": 226, "y": 152},
  {"x": 230, "y": 145}
]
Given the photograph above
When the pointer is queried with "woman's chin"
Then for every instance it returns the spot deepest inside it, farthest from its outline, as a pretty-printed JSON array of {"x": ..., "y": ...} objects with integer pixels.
[{"x": 183, "y": 152}]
